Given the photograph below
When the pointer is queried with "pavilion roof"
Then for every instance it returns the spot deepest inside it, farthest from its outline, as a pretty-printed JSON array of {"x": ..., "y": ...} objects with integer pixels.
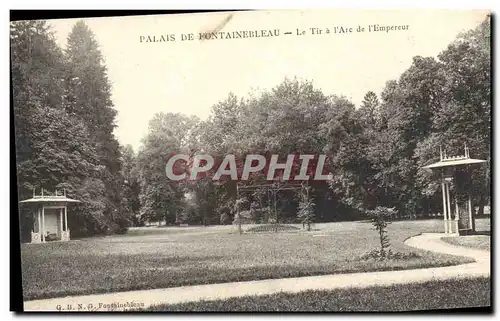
[
  {"x": 455, "y": 162},
  {"x": 50, "y": 199}
]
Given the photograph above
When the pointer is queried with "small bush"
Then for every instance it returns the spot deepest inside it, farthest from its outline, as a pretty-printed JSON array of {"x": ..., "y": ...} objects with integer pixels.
[
  {"x": 225, "y": 219},
  {"x": 388, "y": 255}
]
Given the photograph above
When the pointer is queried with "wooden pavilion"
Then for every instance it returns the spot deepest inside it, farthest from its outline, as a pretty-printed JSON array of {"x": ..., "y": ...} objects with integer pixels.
[
  {"x": 456, "y": 170},
  {"x": 50, "y": 217}
]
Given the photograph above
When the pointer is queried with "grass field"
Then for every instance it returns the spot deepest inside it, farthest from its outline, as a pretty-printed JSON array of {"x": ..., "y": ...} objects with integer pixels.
[
  {"x": 434, "y": 295},
  {"x": 481, "y": 242},
  {"x": 148, "y": 258}
]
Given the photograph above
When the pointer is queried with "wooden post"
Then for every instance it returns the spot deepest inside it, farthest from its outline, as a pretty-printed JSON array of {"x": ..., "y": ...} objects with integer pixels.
[
  {"x": 447, "y": 185},
  {"x": 43, "y": 223},
  {"x": 456, "y": 213},
  {"x": 61, "y": 222},
  {"x": 275, "y": 209},
  {"x": 471, "y": 223},
  {"x": 472, "y": 212},
  {"x": 39, "y": 221},
  {"x": 238, "y": 208},
  {"x": 443, "y": 189},
  {"x": 65, "y": 218}
]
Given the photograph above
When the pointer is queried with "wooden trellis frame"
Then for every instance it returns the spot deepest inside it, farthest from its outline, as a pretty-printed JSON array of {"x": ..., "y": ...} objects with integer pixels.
[{"x": 273, "y": 189}]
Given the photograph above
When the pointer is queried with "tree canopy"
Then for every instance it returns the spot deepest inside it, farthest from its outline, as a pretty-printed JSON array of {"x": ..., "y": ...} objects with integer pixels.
[
  {"x": 65, "y": 117},
  {"x": 64, "y": 121}
]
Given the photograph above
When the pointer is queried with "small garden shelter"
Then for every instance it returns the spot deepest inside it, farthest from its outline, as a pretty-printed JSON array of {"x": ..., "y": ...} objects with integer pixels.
[
  {"x": 50, "y": 217},
  {"x": 456, "y": 170}
]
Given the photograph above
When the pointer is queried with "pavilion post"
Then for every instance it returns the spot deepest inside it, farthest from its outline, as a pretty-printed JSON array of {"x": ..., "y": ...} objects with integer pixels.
[
  {"x": 443, "y": 189},
  {"x": 39, "y": 221},
  {"x": 238, "y": 209},
  {"x": 449, "y": 206},
  {"x": 456, "y": 213},
  {"x": 61, "y": 222},
  {"x": 471, "y": 222},
  {"x": 66, "y": 218},
  {"x": 275, "y": 212},
  {"x": 43, "y": 223}
]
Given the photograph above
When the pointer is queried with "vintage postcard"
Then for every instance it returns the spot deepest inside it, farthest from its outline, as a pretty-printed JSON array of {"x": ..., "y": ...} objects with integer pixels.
[{"x": 281, "y": 160}]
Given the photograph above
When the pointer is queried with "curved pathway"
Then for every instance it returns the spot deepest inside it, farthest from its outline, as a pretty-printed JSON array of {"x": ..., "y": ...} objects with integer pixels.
[{"x": 133, "y": 299}]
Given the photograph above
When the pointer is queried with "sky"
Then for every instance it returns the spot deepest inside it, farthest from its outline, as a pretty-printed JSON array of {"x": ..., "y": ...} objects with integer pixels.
[{"x": 191, "y": 76}]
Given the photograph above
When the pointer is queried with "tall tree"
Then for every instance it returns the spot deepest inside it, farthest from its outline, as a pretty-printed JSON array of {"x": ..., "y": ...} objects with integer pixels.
[
  {"x": 371, "y": 122},
  {"x": 408, "y": 107},
  {"x": 465, "y": 114},
  {"x": 53, "y": 149},
  {"x": 343, "y": 132},
  {"x": 131, "y": 185},
  {"x": 88, "y": 98},
  {"x": 368, "y": 111},
  {"x": 160, "y": 198},
  {"x": 37, "y": 82}
]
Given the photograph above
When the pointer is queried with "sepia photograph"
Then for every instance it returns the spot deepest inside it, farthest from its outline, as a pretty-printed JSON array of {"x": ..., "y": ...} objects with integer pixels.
[{"x": 320, "y": 160}]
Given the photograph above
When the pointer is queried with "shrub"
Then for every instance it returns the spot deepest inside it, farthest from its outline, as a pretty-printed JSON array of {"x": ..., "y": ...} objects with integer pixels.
[
  {"x": 225, "y": 218},
  {"x": 381, "y": 217},
  {"x": 388, "y": 255}
]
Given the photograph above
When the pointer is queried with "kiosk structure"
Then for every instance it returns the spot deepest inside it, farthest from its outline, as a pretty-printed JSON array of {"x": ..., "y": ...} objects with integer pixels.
[
  {"x": 50, "y": 217},
  {"x": 456, "y": 170}
]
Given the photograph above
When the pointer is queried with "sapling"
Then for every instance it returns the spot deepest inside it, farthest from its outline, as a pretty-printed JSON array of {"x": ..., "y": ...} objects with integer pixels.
[{"x": 381, "y": 217}]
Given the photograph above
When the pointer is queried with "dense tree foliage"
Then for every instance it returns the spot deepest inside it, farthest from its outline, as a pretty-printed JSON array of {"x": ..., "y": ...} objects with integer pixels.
[
  {"x": 64, "y": 121},
  {"x": 160, "y": 198},
  {"x": 375, "y": 152}
]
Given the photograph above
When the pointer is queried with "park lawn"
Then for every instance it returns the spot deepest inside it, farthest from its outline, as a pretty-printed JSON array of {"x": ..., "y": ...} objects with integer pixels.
[
  {"x": 147, "y": 258},
  {"x": 481, "y": 242},
  {"x": 434, "y": 295}
]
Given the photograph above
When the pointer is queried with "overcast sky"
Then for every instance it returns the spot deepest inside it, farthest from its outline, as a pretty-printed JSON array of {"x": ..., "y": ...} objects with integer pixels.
[{"x": 191, "y": 76}]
